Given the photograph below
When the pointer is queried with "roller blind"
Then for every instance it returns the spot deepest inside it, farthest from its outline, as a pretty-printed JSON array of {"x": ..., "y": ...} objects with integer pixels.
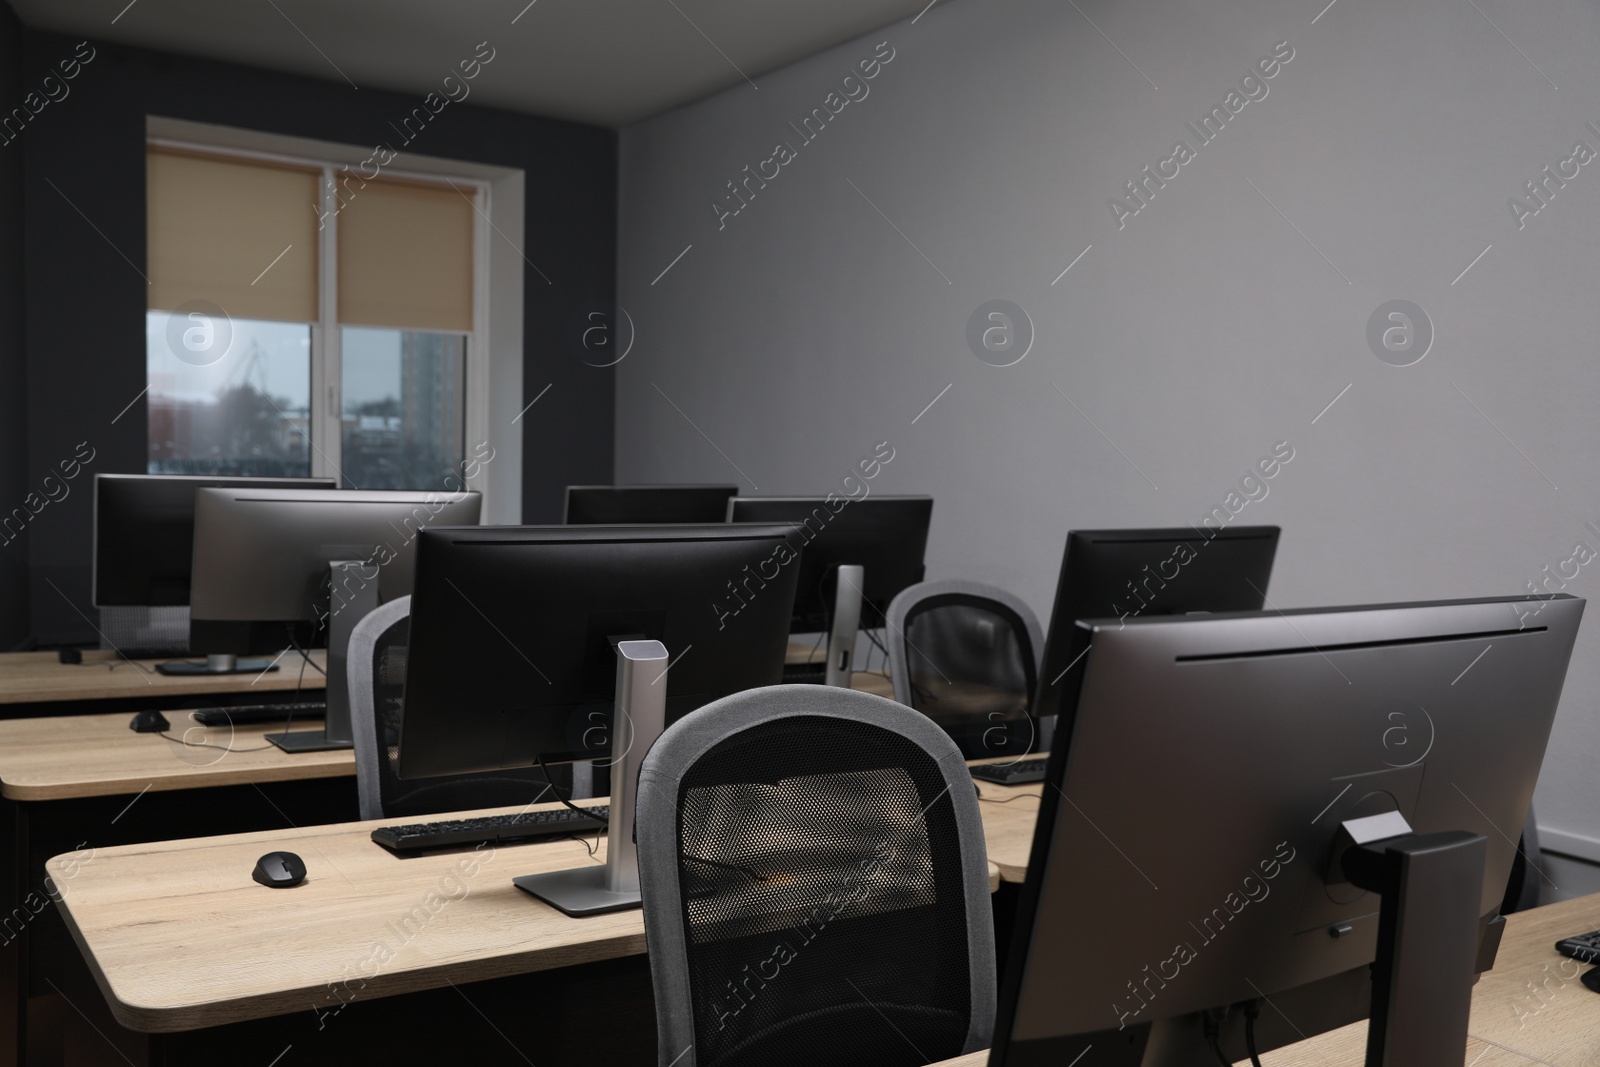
[
  {"x": 241, "y": 235},
  {"x": 405, "y": 257}
]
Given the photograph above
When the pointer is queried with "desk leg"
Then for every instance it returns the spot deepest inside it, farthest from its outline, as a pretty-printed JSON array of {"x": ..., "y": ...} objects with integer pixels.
[{"x": 14, "y": 932}]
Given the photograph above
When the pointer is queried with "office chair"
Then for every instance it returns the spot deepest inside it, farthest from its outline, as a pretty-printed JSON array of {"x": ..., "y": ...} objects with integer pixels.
[
  {"x": 967, "y": 656},
  {"x": 377, "y": 672},
  {"x": 815, "y": 885}
]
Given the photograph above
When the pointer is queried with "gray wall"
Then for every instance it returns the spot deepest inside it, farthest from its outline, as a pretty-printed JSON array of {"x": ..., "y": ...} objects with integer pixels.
[{"x": 1205, "y": 330}]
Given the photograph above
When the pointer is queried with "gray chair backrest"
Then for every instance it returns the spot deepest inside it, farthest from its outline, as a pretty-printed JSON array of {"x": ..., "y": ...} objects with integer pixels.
[
  {"x": 377, "y": 676},
  {"x": 967, "y": 655},
  {"x": 815, "y": 880}
]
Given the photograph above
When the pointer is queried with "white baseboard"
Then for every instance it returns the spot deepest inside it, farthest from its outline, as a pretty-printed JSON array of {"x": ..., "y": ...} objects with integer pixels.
[{"x": 1567, "y": 843}]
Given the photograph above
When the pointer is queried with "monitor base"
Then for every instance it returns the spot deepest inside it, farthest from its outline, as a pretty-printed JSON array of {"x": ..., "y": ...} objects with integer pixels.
[
  {"x": 308, "y": 741},
  {"x": 216, "y": 665},
  {"x": 578, "y": 891}
]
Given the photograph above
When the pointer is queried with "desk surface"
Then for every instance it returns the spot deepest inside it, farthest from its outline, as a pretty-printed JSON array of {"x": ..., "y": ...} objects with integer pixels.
[
  {"x": 1530, "y": 1009},
  {"x": 1009, "y": 813},
  {"x": 38, "y": 677},
  {"x": 66, "y": 756},
  {"x": 62, "y": 757},
  {"x": 180, "y": 937}
]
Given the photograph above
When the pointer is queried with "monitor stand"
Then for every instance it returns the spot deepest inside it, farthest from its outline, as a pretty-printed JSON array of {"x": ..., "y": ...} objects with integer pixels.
[
  {"x": 846, "y": 622},
  {"x": 641, "y": 712},
  {"x": 185, "y": 668},
  {"x": 353, "y": 586},
  {"x": 1428, "y": 936}
]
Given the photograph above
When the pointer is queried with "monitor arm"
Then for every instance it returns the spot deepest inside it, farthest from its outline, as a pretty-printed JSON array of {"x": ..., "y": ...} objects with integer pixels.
[
  {"x": 1428, "y": 935},
  {"x": 846, "y": 623},
  {"x": 640, "y": 716},
  {"x": 353, "y": 594}
]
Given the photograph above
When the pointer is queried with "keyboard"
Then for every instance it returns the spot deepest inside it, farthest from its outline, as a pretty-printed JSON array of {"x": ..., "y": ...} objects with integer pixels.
[
  {"x": 248, "y": 714},
  {"x": 494, "y": 829},
  {"x": 1022, "y": 772},
  {"x": 805, "y": 673}
]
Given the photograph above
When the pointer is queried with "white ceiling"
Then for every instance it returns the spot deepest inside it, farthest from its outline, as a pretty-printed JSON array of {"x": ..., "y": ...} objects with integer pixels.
[{"x": 609, "y": 62}]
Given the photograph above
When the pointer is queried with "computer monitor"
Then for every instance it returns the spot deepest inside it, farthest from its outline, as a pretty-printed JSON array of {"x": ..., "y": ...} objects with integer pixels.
[
  {"x": 513, "y": 657},
  {"x": 609, "y": 505},
  {"x": 1236, "y": 788},
  {"x": 144, "y": 533},
  {"x": 1133, "y": 574},
  {"x": 886, "y": 535},
  {"x": 272, "y": 565},
  {"x": 875, "y": 545}
]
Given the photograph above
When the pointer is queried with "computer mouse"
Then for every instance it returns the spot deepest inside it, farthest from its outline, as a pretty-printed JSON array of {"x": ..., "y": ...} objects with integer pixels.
[
  {"x": 280, "y": 870},
  {"x": 149, "y": 722},
  {"x": 1591, "y": 979}
]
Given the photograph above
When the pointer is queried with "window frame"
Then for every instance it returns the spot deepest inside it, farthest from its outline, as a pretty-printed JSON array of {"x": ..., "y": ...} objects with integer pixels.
[{"x": 326, "y": 392}]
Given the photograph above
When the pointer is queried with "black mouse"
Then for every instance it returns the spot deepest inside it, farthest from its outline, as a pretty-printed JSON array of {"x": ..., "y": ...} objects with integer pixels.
[
  {"x": 280, "y": 870},
  {"x": 149, "y": 722},
  {"x": 1591, "y": 979}
]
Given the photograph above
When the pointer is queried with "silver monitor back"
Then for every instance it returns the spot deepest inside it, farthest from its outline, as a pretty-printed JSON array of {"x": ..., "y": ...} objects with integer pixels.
[
  {"x": 1181, "y": 858},
  {"x": 262, "y": 554}
]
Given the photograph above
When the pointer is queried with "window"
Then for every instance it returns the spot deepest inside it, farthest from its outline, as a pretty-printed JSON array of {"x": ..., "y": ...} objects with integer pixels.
[
  {"x": 306, "y": 321},
  {"x": 249, "y": 415},
  {"x": 403, "y": 397}
]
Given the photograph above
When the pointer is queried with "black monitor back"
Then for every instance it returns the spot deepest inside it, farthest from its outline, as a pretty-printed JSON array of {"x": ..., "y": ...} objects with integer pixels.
[
  {"x": 887, "y": 535},
  {"x": 609, "y": 505},
  {"x": 1128, "y": 574},
  {"x": 511, "y": 653},
  {"x": 1184, "y": 838},
  {"x": 261, "y": 557},
  {"x": 144, "y": 533}
]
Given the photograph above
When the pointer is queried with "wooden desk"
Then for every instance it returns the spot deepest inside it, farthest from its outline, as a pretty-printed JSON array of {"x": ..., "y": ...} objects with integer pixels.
[
  {"x": 40, "y": 678},
  {"x": 61, "y": 757},
  {"x": 1009, "y": 813},
  {"x": 1531, "y": 1009},
  {"x": 259, "y": 952},
  {"x": 80, "y": 781}
]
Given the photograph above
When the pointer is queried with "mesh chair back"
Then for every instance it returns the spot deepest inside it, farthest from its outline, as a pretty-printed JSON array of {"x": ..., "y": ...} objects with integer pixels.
[
  {"x": 815, "y": 885},
  {"x": 967, "y": 656},
  {"x": 377, "y": 671}
]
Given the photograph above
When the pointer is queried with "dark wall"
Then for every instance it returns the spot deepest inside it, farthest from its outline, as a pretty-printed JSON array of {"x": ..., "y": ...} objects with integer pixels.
[
  {"x": 85, "y": 249},
  {"x": 13, "y": 380}
]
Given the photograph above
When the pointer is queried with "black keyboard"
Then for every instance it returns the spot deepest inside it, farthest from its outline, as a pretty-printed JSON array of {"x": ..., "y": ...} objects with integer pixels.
[
  {"x": 248, "y": 714},
  {"x": 805, "y": 673},
  {"x": 1585, "y": 948},
  {"x": 495, "y": 829},
  {"x": 1022, "y": 772}
]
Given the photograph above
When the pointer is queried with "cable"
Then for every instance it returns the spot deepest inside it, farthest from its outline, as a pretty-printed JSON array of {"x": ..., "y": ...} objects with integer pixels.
[
  {"x": 1009, "y": 800},
  {"x": 288, "y": 628},
  {"x": 1252, "y": 1010},
  {"x": 1210, "y": 1024},
  {"x": 207, "y": 744},
  {"x": 581, "y": 811}
]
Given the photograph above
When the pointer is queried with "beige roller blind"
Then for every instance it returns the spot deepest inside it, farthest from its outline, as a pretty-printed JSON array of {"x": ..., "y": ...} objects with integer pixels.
[
  {"x": 241, "y": 235},
  {"x": 405, "y": 257}
]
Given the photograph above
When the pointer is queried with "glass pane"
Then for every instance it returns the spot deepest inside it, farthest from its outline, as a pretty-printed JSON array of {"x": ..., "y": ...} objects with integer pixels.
[
  {"x": 404, "y": 408},
  {"x": 228, "y": 397}
]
